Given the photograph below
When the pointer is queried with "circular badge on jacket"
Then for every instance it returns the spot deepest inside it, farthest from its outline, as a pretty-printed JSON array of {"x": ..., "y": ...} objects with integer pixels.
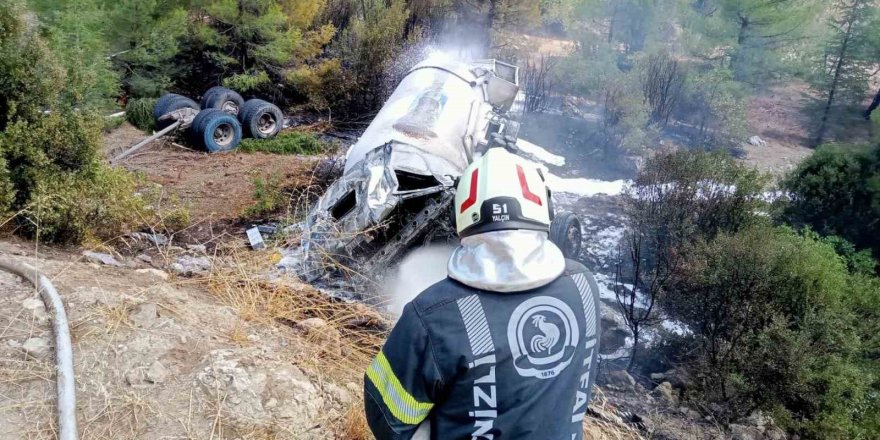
[{"x": 542, "y": 334}]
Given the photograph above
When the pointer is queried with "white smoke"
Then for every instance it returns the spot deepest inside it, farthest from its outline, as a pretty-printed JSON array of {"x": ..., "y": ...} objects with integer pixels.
[{"x": 416, "y": 272}]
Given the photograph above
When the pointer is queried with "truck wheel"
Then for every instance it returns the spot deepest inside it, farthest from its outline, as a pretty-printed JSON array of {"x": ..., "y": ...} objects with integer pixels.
[
  {"x": 224, "y": 99},
  {"x": 162, "y": 102},
  {"x": 217, "y": 131},
  {"x": 210, "y": 92},
  {"x": 198, "y": 124},
  {"x": 565, "y": 232},
  {"x": 248, "y": 107},
  {"x": 261, "y": 119},
  {"x": 168, "y": 104}
]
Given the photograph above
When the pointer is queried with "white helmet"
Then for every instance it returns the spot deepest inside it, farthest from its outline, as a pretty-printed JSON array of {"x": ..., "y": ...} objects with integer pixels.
[{"x": 501, "y": 191}]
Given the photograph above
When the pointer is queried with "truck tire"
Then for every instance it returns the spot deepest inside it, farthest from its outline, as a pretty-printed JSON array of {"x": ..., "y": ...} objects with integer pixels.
[
  {"x": 216, "y": 131},
  {"x": 168, "y": 104},
  {"x": 224, "y": 99},
  {"x": 566, "y": 233},
  {"x": 210, "y": 92},
  {"x": 248, "y": 107},
  {"x": 198, "y": 124},
  {"x": 162, "y": 102},
  {"x": 260, "y": 119},
  {"x": 209, "y": 95}
]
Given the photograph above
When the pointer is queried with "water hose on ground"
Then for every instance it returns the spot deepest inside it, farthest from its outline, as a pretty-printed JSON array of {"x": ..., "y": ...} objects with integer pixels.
[{"x": 64, "y": 379}]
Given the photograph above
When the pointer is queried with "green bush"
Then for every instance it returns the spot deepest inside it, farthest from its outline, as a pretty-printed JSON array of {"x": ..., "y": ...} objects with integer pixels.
[
  {"x": 31, "y": 77},
  {"x": 677, "y": 199},
  {"x": 139, "y": 112},
  {"x": 144, "y": 38},
  {"x": 166, "y": 211},
  {"x": 369, "y": 46},
  {"x": 250, "y": 45},
  {"x": 64, "y": 190},
  {"x": 692, "y": 195},
  {"x": 268, "y": 196},
  {"x": 7, "y": 190},
  {"x": 292, "y": 142},
  {"x": 113, "y": 123},
  {"x": 857, "y": 261},
  {"x": 73, "y": 207},
  {"x": 75, "y": 33},
  {"x": 51, "y": 171},
  {"x": 836, "y": 191},
  {"x": 792, "y": 331}
]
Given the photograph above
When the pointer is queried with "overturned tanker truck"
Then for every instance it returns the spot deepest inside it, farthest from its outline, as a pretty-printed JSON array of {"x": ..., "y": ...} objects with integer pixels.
[{"x": 399, "y": 179}]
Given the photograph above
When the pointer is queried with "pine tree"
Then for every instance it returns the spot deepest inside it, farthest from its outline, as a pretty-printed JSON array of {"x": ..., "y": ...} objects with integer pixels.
[
  {"x": 75, "y": 32},
  {"x": 145, "y": 38},
  {"x": 758, "y": 30},
  {"x": 845, "y": 66},
  {"x": 30, "y": 76},
  {"x": 249, "y": 45},
  {"x": 244, "y": 42}
]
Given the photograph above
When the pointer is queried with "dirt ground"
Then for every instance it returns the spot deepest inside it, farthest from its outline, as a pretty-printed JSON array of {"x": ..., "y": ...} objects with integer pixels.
[
  {"x": 549, "y": 47},
  {"x": 776, "y": 116},
  {"x": 783, "y": 117},
  {"x": 158, "y": 358},
  {"x": 216, "y": 187}
]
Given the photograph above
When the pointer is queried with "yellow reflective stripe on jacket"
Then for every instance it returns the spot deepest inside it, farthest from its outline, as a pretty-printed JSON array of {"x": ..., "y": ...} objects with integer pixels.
[{"x": 402, "y": 404}]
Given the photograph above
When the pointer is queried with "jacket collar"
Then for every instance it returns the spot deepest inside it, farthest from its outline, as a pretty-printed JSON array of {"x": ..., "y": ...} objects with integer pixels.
[{"x": 506, "y": 261}]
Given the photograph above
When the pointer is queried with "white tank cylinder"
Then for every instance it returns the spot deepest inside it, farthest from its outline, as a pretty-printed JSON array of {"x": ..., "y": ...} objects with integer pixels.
[{"x": 431, "y": 110}]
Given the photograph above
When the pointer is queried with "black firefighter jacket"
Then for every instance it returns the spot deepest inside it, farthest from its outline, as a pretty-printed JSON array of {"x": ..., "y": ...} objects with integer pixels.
[{"x": 485, "y": 365}]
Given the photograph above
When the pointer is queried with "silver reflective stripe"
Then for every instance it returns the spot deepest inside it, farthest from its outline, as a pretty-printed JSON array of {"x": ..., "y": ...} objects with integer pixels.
[
  {"x": 475, "y": 323},
  {"x": 402, "y": 404},
  {"x": 586, "y": 292}
]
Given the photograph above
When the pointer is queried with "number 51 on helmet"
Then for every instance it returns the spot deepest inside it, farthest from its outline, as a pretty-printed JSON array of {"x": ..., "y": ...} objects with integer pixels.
[{"x": 502, "y": 191}]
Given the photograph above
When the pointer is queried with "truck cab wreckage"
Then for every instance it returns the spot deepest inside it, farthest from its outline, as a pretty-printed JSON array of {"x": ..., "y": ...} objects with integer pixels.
[{"x": 399, "y": 179}]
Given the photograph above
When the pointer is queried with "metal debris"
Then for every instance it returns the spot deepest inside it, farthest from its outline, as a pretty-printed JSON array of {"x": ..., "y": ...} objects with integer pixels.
[
  {"x": 157, "y": 239},
  {"x": 97, "y": 257},
  {"x": 188, "y": 265},
  {"x": 270, "y": 228},
  {"x": 399, "y": 179},
  {"x": 256, "y": 238}
]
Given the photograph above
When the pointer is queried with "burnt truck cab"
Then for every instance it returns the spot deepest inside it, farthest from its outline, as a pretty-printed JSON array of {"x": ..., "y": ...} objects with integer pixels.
[{"x": 399, "y": 178}]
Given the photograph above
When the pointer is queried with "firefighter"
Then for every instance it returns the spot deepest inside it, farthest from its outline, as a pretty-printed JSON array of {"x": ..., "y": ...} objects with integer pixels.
[{"x": 504, "y": 348}]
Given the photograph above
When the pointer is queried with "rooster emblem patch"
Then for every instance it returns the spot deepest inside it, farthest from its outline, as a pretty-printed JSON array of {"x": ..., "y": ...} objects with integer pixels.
[
  {"x": 549, "y": 335},
  {"x": 542, "y": 333}
]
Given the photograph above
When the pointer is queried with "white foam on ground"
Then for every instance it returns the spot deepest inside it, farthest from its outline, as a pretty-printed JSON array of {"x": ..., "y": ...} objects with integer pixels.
[
  {"x": 606, "y": 285},
  {"x": 540, "y": 153},
  {"x": 675, "y": 327},
  {"x": 585, "y": 187},
  {"x": 604, "y": 244}
]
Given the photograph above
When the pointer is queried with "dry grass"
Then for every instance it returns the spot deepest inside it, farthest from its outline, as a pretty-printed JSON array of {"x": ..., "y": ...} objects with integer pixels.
[
  {"x": 604, "y": 423},
  {"x": 355, "y": 427},
  {"x": 361, "y": 330}
]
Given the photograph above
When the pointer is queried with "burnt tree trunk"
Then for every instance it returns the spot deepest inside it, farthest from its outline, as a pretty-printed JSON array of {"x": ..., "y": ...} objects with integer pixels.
[
  {"x": 841, "y": 56},
  {"x": 611, "y": 24},
  {"x": 874, "y": 104},
  {"x": 742, "y": 36}
]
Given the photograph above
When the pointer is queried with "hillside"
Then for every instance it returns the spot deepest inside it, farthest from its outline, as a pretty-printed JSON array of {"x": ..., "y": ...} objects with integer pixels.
[{"x": 160, "y": 357}]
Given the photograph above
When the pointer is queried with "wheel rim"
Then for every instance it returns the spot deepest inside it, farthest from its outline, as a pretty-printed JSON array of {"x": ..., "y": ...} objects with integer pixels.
[
  {"x": 223, "y": 135},
  {"x": 230, "y": 107},
  {"x": 267, "y": 123},
  {"x": 573, "y": 240}
]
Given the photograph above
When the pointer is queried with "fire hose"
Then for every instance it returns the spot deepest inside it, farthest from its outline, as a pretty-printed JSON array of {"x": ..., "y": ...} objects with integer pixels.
[{"x": 64, "y": 380}]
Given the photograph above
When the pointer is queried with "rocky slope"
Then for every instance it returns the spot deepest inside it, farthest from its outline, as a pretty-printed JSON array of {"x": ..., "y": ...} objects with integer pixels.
[{"x": 158, "y": 358}]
